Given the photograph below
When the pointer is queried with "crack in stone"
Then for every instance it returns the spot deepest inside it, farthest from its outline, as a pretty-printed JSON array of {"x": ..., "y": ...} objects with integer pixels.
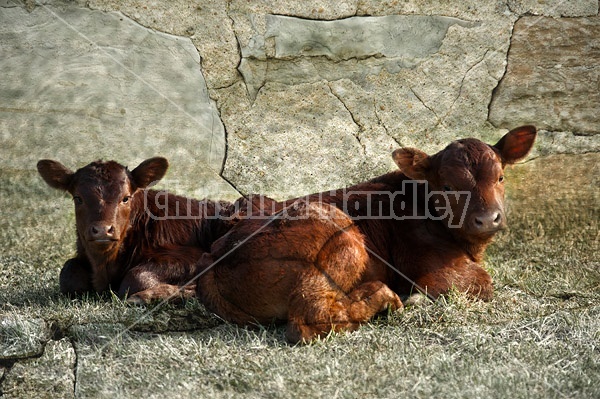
[
  {"x": 11, "y": 5},
  {"x": 495, "y": 89},
  {"x": 7, "y": 365},
  {"x": 220, "y": 173},
  {"x": 510, "y": 8},
  {"x": 241, "y": 193},
  {"x": 221, "y": 88},
  {"x": 385, "y": 128},
  {"x": 462, "y": 82},
  {"x": 360, "y": 126},
  {"x": 425, "y": 105},
  {"x": 218, "y": 110},
  {"x": 334, "y": 18},
  {"x": 75, "y": 364},
  {"x": 239, "y": 49}
]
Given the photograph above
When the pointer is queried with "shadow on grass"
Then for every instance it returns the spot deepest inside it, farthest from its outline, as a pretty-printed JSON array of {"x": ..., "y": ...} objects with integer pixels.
[{"x": 30, "y": 297}]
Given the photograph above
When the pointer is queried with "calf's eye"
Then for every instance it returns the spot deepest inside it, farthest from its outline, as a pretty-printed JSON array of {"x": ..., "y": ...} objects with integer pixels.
[
  {"x": 500, "y": 179},
  {"x": 447, "y": 188},
  {"x": 77, "y": 200},
  {"x": 126, "y": 199}
]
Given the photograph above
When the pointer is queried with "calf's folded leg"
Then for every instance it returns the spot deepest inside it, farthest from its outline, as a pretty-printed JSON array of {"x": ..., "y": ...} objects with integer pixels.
[
  {"x": 313, "y": 316},
  {"x": 326, "y": 297}
]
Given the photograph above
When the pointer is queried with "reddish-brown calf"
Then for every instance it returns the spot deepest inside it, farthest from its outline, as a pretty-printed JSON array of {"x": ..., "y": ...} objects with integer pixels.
[
  {"x": 137, "y": 242},
  {"x": 422, "y": 228}
]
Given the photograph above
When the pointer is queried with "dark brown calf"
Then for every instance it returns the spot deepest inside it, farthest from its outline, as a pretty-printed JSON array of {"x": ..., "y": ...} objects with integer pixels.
[
  {"x": 422, "y": 228},
  {"x": 137, "y": 242}
]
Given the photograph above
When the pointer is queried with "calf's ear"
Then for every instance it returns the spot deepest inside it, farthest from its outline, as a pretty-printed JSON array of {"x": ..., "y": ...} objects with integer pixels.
[
  {"x": 516, "y": 144},
  {"x": 149, "y": 171},
  {"x": 412, "y": 162},
  {"x": 55, "y": 174}
]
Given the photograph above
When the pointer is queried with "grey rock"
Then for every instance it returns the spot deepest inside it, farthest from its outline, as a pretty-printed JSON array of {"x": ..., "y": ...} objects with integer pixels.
[
  {"x": 21, "y": 337},
  {"x": 553, "y": 76},
  {"x": 407, "y": 36},
  {"x": 351, "y": 48},
  {"x": 49, "y": 376},
  {"x": 206, "y": 23},
  {"x": 80, "y": 85}
]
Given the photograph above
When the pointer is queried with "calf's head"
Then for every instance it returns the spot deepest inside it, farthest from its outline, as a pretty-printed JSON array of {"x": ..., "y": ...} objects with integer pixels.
[
  {"x": 102, "y": 193},
  {"x": 468, "y": 177}
]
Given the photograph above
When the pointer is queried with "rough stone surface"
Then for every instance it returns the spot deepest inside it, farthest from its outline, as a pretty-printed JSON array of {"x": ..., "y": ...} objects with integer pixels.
[
  {"x": 549, "y": 143},
  {"x": 20, "y": 337},
  {"x": 553, "y": 76},
  {"x": 403, "y": 88},
  {"x": 473, "y": 10},
  {"x": 403, "y": 36},
  {"x": 292, "y": 164},
  {"x": 81, "y": 85},
  {"x": 555, "y": 8},
  {"x": 49, "y": 376}
]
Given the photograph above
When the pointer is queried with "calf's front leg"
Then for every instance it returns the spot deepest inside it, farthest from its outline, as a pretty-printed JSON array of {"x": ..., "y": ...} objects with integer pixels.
[
  {"x": 466, "y": 276},
  {"x": 76, "y": 277}
]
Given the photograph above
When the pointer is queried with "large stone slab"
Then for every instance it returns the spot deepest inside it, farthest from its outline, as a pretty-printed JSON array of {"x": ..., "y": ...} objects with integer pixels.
[
  {"x": 80, "y": 85},
  {"x": 549, "y": 143},
  {"x": 205, "y": 23},
  {"x": 553, "y": 76},
  {"x": 49, "y": 376},
  {"x": 417, "y": 80}
]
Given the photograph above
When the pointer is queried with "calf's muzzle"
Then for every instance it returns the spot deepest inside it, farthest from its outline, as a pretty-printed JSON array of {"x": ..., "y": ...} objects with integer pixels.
[
  {"x": 101, "y": 232},
  {"x": 488, "y": 222}
]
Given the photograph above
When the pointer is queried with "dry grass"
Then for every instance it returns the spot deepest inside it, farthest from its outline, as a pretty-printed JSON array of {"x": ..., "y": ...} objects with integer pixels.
[{"x": 539, "y": 337}]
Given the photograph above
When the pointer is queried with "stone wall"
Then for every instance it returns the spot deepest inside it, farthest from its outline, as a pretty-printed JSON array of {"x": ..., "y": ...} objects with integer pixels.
[{"x": 289, "y": 97}]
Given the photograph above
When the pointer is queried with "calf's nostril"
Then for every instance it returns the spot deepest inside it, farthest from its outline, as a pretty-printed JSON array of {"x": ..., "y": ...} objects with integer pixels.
[{"x": 498, "y": 218}]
